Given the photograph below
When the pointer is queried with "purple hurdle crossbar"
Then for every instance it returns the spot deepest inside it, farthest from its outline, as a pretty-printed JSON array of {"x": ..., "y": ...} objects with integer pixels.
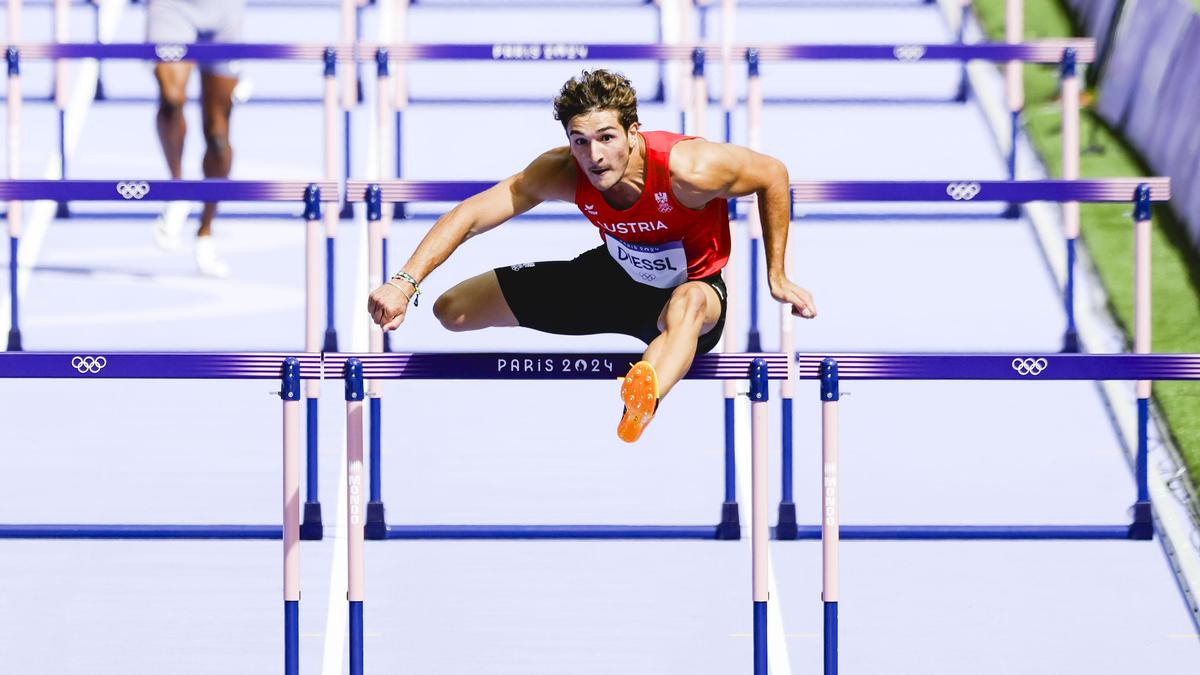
[{"x": 544, "y": 366}]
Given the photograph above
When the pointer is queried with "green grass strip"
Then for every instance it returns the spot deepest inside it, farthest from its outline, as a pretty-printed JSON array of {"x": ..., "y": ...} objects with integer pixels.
[{"x": 1107, "y": 228}]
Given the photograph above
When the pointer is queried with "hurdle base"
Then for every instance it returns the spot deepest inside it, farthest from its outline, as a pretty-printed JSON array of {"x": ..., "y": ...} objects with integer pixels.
[
  {"x": 91, "y": 531},
  {"x": 730, "y": 527},
  {"x": 786, "y": 528},
  {"x": 398, "y": 211},
  {"x": 375, "y": 527},
  {"x": 347, "y": 212},
  {"x": 330, "y": 340},
  {"x": 754, "y": 341},
  {"x": 100, "y": 95},
  {"x": 311, "y": 528},
  {"x": 1011, "y": 212},
  {"x": 971, "y": 532},
  {"x": 1142, "y": 527},
  {"x": 1070, "y": 342},
  {"x": 549, "y": 532},
  {"x": 14, "y": 339},
  {"x": 63, "y": 211}
]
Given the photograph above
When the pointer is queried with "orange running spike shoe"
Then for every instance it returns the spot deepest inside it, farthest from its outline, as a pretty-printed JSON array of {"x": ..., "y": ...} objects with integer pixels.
[{"x": 639, "y": 393}]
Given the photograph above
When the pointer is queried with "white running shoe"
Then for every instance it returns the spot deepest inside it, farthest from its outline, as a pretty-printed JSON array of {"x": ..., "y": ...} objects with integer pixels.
[
  {"x": 243, "y": 90},
  {"x": 169, "y": 225},
  {"x": 207, "y": 262}
]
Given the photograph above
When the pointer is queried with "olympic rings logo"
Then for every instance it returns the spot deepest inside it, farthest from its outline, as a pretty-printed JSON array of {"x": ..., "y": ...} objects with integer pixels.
[
  {"x": 89, "y": 364},
  {"x": 1032, "y": 367},
  {"x": 170, "y": 52},
  {"x": 909, "y": 52},
  {"x": 133, "y": 190},
  {"x": 963, "y": 192}
]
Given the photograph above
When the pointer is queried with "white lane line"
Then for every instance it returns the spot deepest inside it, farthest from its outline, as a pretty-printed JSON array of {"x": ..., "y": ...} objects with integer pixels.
[
  {"x": 779, "y": 661},
  {"x": 337, "y": 616},
  {"x": 79, "y": 103}
]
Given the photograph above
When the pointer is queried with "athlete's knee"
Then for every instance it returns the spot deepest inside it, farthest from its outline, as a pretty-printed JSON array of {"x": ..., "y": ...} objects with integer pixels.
[
  {"x": 171, "y": 102},
  {"x": 451, "y": 310},
  {"x": 216, "y": 141},
  {"x": 690, "y": 302}
]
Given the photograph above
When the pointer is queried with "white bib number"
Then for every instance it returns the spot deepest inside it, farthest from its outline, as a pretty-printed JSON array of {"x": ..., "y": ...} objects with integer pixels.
[{"x": 663, "y": 266}]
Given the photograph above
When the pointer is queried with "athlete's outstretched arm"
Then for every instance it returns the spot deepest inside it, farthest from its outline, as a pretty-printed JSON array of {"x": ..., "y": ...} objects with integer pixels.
[
  {"x": 701, "y": 171},
  {"x": 551, "y": 176}
]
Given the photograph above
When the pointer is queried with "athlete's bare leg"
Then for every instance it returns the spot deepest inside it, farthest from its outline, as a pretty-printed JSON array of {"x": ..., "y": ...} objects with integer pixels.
[
  {"x": 475, "y": 303},
  {"x": 216, "y": 105},
  {"x": 692, "y": 311},
  {"x": 172, "y": 127}
]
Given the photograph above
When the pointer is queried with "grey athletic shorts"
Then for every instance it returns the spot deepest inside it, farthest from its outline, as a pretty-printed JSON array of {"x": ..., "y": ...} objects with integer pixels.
[{"x": 188, "y": 21}]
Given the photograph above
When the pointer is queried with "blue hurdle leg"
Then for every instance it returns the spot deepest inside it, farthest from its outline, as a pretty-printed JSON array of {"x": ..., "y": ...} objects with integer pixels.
[
  {"x": 786, "y": 527},
  {"x": 330, "y": 327},
  {"x": 63, "y": 210},
  {"x": 961, "y": 95},
  {"x": 311, "y": 528},
  {"x": 730, "y": 526},
  {"x": 398, "y": 208},
  {"x": 356, "y": 637},
  {"x": 831, "y": 638},
  {"x": 383, "y": 246},
  {"x": 375, "y": 527},
  {"x": 753, "y": 337},
  {"x": 760, "y": 639},
  {"x": 1143, "y": 518},
  {"x": 14, "y": 331},
  {"x": 291, "y": 637},
  {"x": 347, "y": 208},
  {"x": 1013, "y": 210},
  {"x": 1071, "y": 336}
]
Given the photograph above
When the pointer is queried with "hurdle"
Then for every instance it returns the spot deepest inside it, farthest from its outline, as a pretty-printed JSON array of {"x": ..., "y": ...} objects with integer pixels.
[
  {"x": 1140, "y": 191},
  {"x": 311, "y": 195},
  {"x": 349, "y": 13},
  {"x": 671, "y": 27},
  {"x": 1066, "y": 52},
  {"x": 1141, "y": 367},
  {"x": 200, "y": 52},
  {"x": 358, "y": 368},
  {"x": 288, "y": 369}
]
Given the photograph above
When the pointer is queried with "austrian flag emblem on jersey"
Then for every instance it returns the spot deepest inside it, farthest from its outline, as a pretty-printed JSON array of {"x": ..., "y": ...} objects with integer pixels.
[{"x": 664, "y": 202}]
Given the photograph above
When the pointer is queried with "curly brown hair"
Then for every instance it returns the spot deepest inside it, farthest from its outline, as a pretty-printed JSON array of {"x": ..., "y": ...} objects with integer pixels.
[{"x": 597, "y": 90}]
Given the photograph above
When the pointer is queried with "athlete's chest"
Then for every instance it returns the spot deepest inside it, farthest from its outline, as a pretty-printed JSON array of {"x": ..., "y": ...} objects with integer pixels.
[{"x": 655, "y": 217}]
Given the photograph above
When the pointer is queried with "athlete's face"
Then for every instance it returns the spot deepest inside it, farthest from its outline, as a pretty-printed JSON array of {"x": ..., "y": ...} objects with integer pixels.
[{"x": 601, "y": 146}]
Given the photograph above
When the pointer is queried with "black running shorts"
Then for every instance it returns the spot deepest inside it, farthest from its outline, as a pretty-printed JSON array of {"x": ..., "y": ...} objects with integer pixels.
[{"x": 592, "y": 294}]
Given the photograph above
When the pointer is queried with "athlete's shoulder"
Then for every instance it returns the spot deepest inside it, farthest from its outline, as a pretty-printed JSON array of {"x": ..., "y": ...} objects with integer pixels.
[
  {"x": 702, "y": 164},
  {"x": 552, "y": 174}
]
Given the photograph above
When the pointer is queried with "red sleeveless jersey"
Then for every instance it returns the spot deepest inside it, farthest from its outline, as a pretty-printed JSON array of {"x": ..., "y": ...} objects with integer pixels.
[{"x": 657, "y": 218}]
